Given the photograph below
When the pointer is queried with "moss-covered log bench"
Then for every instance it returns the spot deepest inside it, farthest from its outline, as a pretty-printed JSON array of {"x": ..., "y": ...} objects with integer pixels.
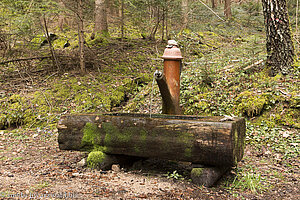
[{"x": 208, "y": 141}]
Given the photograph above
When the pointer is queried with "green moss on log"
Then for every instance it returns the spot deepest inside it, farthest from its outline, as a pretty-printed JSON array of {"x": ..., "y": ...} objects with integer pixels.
[
  {"x": 90, "y": 135},
  {"x": 91, "y": 138},
  {"x": 187, "y": 139}
]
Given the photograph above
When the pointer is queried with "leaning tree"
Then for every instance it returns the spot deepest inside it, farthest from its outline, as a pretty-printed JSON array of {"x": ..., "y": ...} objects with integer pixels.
[{"x": 279, "y": 42}]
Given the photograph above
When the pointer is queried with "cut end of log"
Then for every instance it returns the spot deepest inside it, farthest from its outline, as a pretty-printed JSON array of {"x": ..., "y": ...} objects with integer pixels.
[{"x": 207, "y": 176}]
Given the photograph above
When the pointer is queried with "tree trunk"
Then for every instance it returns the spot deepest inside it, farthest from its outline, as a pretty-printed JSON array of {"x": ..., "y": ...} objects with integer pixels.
[
  {"x": 154, "y": 30},
  {"x": 46, "y": 33},
  {"x": 205, "y": 140},
  {"x": 185, "y": 13},
  {"x": 214, "y": 4},
  {"x": 101, "y": 25},
  {"x": 163, "y": 22},
  {"x": 81, "y": 37},
  {"x": 227, "y": 9},
  {"x": 122, "y": 20},
  {"x": 279, "y": 42},
  {"x": 166, "y": 17},
  {"x": 61, "y": 17}
]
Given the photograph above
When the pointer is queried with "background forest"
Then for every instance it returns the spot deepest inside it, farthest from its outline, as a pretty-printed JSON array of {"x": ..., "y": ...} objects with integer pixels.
[{"x": 81, "y": 56}]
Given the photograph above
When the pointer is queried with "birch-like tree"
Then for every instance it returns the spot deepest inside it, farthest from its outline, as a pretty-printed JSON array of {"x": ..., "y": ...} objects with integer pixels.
[{"x": 279, "y": 41}]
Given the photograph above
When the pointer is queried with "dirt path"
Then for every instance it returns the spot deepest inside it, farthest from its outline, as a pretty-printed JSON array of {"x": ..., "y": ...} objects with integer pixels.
[{"x": 33, "y": 167}]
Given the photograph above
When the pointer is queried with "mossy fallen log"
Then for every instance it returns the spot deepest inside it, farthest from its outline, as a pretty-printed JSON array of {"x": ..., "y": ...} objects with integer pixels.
[{"x": 205, "y": 140}]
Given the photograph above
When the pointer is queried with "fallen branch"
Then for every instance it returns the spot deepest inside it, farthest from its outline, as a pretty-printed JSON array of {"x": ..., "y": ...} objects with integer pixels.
[
  {"x": 24, "y": 59},
  {"x": 212, "y": 11},
  {"x": 254, "y": 64}
]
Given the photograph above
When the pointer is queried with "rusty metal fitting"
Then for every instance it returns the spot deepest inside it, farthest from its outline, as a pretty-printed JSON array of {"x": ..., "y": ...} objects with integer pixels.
[{"x": 172, "y": 52}]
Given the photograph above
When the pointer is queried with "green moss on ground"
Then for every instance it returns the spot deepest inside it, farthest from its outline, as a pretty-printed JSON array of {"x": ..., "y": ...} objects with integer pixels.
[
  {"x": 250, "y": 104},
  {"x": 197, "y": 172},
  {"x": 95, "y": 158}
]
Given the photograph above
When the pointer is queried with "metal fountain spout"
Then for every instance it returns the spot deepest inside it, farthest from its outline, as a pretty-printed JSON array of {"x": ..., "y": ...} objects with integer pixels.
[{"x": 169, "y": 80}]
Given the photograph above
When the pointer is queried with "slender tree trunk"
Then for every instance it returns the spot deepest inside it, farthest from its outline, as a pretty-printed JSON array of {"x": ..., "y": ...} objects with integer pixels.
[
  {"x": 296, "y": 32},
  {"x": 163, "y": 22},
  {"x": 81, "y": 37},
  {"x": 185, "y": 14},
  {"x": 45, "y": 29},
  {"x": 61, "y": 17},
  {"x": 122, "y": 19},
  {"x": 214, "y": 4},
  {"x": 101, "y": 25},
  {"x": 166, "y": 17},
  {"x": 154, "y": 30},
  {"x": 279, "y": 41},
  {"x": 227, "y": 9}
]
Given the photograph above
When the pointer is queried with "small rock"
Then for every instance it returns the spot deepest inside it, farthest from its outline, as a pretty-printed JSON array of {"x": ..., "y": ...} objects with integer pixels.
[
  {"x": 76, "y": 174},
  {"x": 35, "y": 135},
  {"x": 285, "y": 135},
  {"x": 10, "y": 175},
  {"x": 116, "y": 168},
  {"x": 1, "y": 132},
  {"x": 82, "y": 163}
]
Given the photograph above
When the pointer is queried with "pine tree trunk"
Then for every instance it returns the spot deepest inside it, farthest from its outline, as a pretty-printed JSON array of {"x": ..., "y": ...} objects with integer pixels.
[
  {"x": 279, "y": 42},
  {"x": 227, "y": 9},
  {"x": 101, "y": 25}
]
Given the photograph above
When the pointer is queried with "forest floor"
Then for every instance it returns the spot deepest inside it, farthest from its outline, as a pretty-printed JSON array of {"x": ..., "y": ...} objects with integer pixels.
[{"x": 32, "y": 166}]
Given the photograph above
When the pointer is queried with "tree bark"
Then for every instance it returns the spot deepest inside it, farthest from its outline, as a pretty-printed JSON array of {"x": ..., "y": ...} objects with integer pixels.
[
  {"x": 214, "y": 4},
  {"x": 170, "y": 105},
  {"x": 227, "y": 9},
  {"x": 167, "y": 19},
  {"x": 122, "y": 20},
  {"x": 54, "y": 59},
  {"x": 204, "y": 140},
  {"x": 279, "y": 42},
  {"x": 81, "y": 37},
  {"x": 154, "y": 30},
  {"x": 185, "y": 13},
  {"x": 101, "y": 25},
  {"x": 61, "y": 17}
]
